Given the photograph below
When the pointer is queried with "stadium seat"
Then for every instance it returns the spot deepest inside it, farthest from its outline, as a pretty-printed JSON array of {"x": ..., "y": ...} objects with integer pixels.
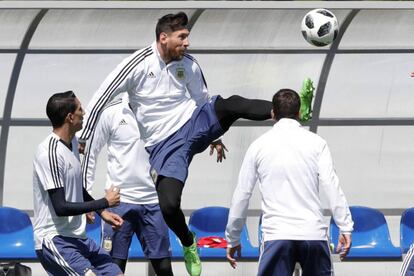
[
  {"x": 371, "y": 237},
  {"x": 16, "y": 235},
  {"x": 93, "y": 231},
  {"x": 212, "y": 221},
  {"x": 407, "y": 230}
]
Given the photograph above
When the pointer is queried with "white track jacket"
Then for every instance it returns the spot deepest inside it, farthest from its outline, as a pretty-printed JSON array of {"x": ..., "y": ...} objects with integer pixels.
[
  {"x": 162, "y": 96},
  {"x": 128, "y": 162},
  {"x": 292, "y": 165}
]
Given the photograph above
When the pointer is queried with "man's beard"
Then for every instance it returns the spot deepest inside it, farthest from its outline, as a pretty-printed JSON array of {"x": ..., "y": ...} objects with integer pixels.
[{"x": 176, "y": 56}]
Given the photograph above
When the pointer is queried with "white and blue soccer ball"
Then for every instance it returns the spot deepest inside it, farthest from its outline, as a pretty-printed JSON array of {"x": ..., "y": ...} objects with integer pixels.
[{"x": 320, "y": 27}]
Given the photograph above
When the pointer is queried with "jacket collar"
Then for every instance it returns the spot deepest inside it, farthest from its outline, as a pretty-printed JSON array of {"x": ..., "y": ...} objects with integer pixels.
[{"x": 286, "y": 122}]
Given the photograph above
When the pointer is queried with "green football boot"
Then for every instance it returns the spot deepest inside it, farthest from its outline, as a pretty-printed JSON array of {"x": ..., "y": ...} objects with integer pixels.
[
  {"x": 306, "y": 96},
  {"x": 191, "y": 258}
]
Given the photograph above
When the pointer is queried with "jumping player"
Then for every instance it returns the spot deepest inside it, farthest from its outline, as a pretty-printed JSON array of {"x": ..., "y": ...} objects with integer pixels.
[{"x": 176, "y": 116}]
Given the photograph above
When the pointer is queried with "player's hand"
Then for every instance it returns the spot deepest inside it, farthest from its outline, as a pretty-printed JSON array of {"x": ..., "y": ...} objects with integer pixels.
[
  {"x": 90, "y": 217},
  {"x": 231, "y": 255},
  {"x": 220, "y": 148},
  {"x": 344, "y": 244},
  {"x": 112, "y": 219},
  {"x": 412, "y": 74},
  {"x": 81, "y": 147},
  {"x": 113, "y": 196}
]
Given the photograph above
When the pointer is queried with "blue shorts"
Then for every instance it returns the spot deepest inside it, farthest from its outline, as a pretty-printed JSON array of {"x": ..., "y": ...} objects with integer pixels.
[
  {"x": 73, "y": 256},
  {"x": 146, "y": 222},
  {"x": 407, "y": 267},
  {"x": 279, "y": 258},
  {"x": 172, "y": 156}
]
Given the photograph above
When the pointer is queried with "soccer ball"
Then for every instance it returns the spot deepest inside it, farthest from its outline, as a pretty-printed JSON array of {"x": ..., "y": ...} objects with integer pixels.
[{"x": 320, "y": 27}]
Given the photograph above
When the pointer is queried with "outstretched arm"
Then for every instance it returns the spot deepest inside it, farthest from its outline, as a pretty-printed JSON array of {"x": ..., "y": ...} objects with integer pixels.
[{"x": 66, "y": 208}]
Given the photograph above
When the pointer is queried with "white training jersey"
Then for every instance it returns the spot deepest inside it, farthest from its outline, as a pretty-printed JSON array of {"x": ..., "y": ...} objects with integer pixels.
[
  {"x": 56, "y": 166},
  {"x": 162, "y": 96},
  {"x": 292, "y": 165},
  {"x": 128, "y": 162}
]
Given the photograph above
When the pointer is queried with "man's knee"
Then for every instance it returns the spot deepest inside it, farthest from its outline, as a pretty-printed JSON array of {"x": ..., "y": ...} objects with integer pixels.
[
  {"x": 169, "y": 206},
  {"x": 169, "y": 195},
  {"x": 231, "y": 101}
]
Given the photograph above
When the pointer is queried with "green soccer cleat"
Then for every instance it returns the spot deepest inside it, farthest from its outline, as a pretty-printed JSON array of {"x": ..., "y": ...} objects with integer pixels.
[
  {"x": 306, "y": 96},
  {"x": 191, "y": 258}
]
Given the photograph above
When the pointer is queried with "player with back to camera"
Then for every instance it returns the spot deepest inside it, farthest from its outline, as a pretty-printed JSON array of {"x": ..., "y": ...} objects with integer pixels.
[
  {"x": 174, "y": 126},
  {"x": 291, "y": 166}
]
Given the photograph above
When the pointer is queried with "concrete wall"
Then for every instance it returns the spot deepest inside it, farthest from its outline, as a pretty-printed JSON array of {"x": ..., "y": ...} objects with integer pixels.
[{"x": 363, "y": 104}]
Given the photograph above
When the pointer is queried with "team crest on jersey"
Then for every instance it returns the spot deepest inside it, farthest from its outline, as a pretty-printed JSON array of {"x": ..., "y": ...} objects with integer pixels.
[
  {"x": 180, "y": 73},
  {"x": 107, "y": 244},
  {"x": 89, "y": 272},
  {"x": 154, "y": 175}
]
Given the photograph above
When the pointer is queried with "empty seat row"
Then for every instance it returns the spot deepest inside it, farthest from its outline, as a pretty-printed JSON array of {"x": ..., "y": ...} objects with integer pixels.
[
  {"x": 16, "y": 235},
  {"x": 370, "y": 239}
]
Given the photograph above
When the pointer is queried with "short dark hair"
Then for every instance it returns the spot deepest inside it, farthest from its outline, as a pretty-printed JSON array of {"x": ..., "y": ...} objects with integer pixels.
[
  {"x": 170, "y": 23},
  {"x": 59, "y": 106},
  {"x": 286, "y": 104}
]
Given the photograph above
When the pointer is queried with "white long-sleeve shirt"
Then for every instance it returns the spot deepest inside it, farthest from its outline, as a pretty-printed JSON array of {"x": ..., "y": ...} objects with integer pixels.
[
  {"x": 128, "y": 162},
  {"x": 162, "y": 96},
  {"x": 292, "y": 165}
]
